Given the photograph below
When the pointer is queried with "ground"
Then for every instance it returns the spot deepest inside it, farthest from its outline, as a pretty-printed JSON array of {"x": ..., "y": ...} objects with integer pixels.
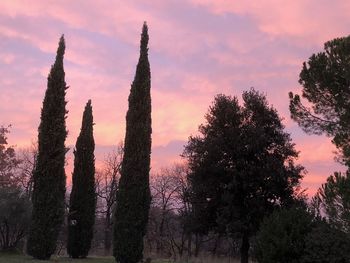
[
  {"x": 6, "y": 258},
  {"x": 15, "y": 258}
]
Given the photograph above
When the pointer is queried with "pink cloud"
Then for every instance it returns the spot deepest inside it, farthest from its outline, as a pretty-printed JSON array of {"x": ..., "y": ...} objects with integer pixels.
[
  {"x": 294, "y": 18},
  {"x": 197, "y": 50}
]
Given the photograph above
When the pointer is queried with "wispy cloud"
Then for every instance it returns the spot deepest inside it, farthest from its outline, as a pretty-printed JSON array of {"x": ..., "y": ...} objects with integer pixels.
[{"x": 198, "y": 48}]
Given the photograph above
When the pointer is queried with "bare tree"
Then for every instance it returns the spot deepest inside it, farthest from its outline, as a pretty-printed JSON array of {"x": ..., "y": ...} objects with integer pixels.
[
  {"x": 169, "y": 211},
  {"x": 107, "y": 180},
  {"x": 26, "y": 167},
  {"x": 164, "y": 189}
]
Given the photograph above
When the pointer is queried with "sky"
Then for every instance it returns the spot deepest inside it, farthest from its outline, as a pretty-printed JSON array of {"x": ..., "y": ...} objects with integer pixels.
[{"x": 197, "y": 49}]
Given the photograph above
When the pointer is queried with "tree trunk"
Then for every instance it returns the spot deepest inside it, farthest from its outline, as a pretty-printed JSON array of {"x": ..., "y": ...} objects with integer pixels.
[
  {"x": 198, "y": 241},
  {"x": 160, "y": 243},
  {"x": 216, "y": 245},
  {"x": 107, "y": 234},
  {"x": 189, "y": 245},
  {"x": 245, "y": 248}
]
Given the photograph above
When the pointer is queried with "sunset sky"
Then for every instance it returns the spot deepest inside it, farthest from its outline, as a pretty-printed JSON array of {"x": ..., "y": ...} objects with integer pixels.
[{"x": 198, "y": 48}]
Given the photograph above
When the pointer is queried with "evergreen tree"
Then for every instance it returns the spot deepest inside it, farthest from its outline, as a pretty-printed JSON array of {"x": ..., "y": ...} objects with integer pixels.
[
  {"x": 82, "y": 203},
  {"x": 49, "y": 175},
  {"x": 133, "y": 197}
]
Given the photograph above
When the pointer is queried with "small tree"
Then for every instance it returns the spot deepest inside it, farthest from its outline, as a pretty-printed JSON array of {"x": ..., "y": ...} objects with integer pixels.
[
  {"x": 82, "y": 203},
  {"x": 333, "y": 201},
  {"x": 131, "y": 214},
  {"x": 49, "y": 176},
  {"x": 282, "y": 235}
]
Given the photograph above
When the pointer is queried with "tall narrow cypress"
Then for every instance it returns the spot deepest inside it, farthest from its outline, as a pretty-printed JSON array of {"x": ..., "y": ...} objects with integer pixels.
[
  {"x": 49, "y": 175},
  {"x": 131, "y": 214},
  {"x": 82, "y": 203}
]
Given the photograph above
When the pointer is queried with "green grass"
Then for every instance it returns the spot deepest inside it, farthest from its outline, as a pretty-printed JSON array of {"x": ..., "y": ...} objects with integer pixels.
[
  {"x": 16, "y": 258},
  {"x": 13, "y": 258}
]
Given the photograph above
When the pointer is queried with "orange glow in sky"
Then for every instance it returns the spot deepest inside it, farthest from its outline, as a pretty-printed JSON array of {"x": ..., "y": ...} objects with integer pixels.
[{"x": 198, "y": 48}]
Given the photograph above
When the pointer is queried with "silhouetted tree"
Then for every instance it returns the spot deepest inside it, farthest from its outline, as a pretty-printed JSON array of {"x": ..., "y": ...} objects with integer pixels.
[
  {"x": 242, "y": 166},
  {"x": 326, "y": 244},
  {"x": 107, "y": 182},
  {"x": 133, "y": 197},
  {"x": 28, "y": 157},
  {"x": 8, "y": 161},
  {"x": 325, "y": 79},
  {"x": 15, "y": 207},
  {"x": 333, "y": 201},
  {"x": 49, "y": 176},
  {"x": 282, "y": 235},
  {"x": 82, "y": 203}
]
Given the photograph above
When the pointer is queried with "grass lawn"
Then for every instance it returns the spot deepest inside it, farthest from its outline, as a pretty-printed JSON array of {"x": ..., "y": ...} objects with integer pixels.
[
  {"x": 12, "y": 258},
  {"x": 16, "y": 258}
]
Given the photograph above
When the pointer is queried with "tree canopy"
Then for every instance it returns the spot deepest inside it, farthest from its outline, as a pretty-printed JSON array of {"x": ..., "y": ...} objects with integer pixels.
[
  {"x": 325, "y": 78},
  {"x": 242, "y": 166}
]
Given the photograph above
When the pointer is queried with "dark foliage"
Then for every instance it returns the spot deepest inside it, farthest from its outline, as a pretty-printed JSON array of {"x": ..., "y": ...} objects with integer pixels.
[
  {"x": 8, "y": 161},
  {"x": 15, "y": 209},
  {"x": 281, "y": 237},
  {"x": 133, "y": 197},
  {"x": 242, "y": 166},
  {"x": 325, "y": 244},
  {"x": 325, "y": 79},
  {"x": 49, "y": 175},
  {"x": 82, "y": 203},
  {"x": 332, "y": 201}
]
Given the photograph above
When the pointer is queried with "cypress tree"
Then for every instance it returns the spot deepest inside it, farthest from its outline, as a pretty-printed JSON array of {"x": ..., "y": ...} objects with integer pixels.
[
  {"x": 49, "y": 175},
  {"x": 82, "y": 201},
  {"x": 131, "y": 214}
]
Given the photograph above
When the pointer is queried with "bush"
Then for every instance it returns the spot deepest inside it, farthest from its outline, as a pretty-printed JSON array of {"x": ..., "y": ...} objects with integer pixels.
[
  {"x": 325, "y": 244},
  {"x": 281, "y": 237},
  {"x": 14, "y": 217}
]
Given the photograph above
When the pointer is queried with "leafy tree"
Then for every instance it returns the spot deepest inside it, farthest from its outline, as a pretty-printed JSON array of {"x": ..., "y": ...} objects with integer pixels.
[
  {"x": 49, "y": 176},
  {"x": 325, "y": 244},
  {"x": 242, "y": 166},
  {"x": 8, "y": 160},
  {"x": 282, "y": 235},
  {"x": 333, "y": 199},
  {"x": 131, "y": 214},
  {"x": 82, "y": 203},
  {"x": 15, "y": 208},
  {"x": 325, "y": 79}
]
